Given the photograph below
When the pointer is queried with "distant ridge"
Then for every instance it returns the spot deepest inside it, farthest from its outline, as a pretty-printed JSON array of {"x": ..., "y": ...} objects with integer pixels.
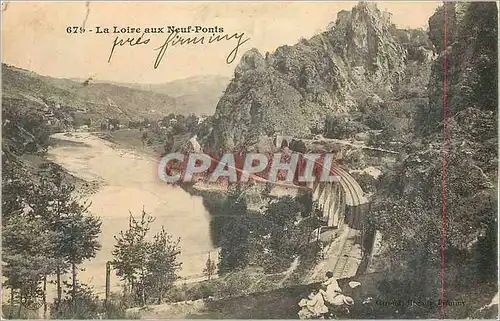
[{"x": 197, "y": 94}]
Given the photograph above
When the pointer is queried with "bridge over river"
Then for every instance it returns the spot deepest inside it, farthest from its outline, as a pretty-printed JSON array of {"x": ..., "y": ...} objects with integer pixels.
[{"x": 342, "y": 203}]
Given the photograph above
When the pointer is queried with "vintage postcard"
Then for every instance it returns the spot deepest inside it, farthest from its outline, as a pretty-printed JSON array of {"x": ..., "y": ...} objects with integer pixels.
[{"x": 249, "y": 160}]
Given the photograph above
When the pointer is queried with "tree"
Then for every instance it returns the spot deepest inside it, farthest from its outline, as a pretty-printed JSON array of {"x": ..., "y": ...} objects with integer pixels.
[
  {"x": 27, "y": 244},
  {"x": 144, "y": 137},
  {"x": 76, "y": 231},
  {"x": 407, "y": 209},
  {"x": 234, "y": 233},
  {"x": 191, "y": 123},
  {"x": 149, "y": 267},
  {"x": 50, "y": 200},
  {"x": 104, "y": 126},
  {"x": 114, "y": 123},
  {"x": 169, "y": 143},
  {"x": 210, "y": 267},
  {"x": 161, "y": 264},
  {"x": 284, "y": 235},
  {"x": 235, "y": 244},
  {"x": 77, "y": 239},
  {"x": 130, "y": 253},
  {"x": 87, "y": 122},
  {"x": 87, "y": 304},
  {"x": 179, "y": 128},
  {"x": 47, "y": 230}
]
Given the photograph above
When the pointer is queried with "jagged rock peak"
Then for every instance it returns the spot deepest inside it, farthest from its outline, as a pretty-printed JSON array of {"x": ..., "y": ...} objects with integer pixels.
[
  {"x": 365, "y": 9},
  {"x": 294, "y": 89},
  {"x": 252, "y": 59}
]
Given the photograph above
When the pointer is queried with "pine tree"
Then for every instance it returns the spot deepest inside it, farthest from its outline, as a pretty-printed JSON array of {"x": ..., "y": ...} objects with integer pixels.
[
  {"x": 162, "y": 264},
  {"x": 27, "y": 240},
  {"x": 130, "y": 253},
  {"x": 149, "y": 267},
  {"x": 76, "y": 231},
  {"x": 210, "y": 267},
  {"x": 78, "y": 234},
  {"x": 25, "y": 243}
]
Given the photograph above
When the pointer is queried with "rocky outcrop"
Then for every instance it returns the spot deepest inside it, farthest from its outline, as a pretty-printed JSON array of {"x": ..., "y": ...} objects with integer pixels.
[
  {"x": 466, "y": 157},
  {"x": 292, "y": 90},
  {"x": 471, "y": 58}
]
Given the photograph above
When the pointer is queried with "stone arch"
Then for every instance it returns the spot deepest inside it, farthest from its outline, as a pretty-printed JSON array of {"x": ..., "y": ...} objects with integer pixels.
[
  {"x": 339, "y": 198},
  {"x": 281, "y": 139}
]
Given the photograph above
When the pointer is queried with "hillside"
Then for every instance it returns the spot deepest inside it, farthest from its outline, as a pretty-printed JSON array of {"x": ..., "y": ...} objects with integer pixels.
[
  {"x": 294, "y": 89},
  {"x": 199, "y": 94},
  {"x": 454, "y": 159},
  {"x": 95, "y": 101},
  {"x": 364, "y": 75},
  {"x": 424, "y": 154}
]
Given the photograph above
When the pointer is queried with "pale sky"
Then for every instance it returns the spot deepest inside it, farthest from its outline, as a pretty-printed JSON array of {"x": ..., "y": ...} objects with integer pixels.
[{"x": 34, "y": 35}]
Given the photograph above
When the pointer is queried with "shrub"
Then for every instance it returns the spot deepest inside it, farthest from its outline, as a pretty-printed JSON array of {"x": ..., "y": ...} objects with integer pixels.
[{"x": 86, "y": 305}]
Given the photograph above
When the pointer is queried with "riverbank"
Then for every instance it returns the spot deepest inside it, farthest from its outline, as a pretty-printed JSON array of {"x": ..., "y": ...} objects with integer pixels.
[{"x": 128, "y": 182}]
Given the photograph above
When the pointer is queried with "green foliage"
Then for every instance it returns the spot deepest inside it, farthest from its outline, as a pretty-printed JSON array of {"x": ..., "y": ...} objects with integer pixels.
[
  {"x": 169, "y": 143},
  {"x": 205, "y": 127},
  {"x": 408, "y": 204},
  {"x": 84, "y": 305},
  {"x": 233, "y": 225},
  {"x": 235, "y": 244},
  {"x": 104, "y": 126},
  {"x": 339, "y": 127},
  {"x": 436, "y": 25},
  {"x": 470, "y": 58},
  {"x": 114, "y": 123},
  {"x": 366, "y": 181},
  {"x": 232, "y": 284},
  {"x": 78, "y": 234},
  {"x": 116, "y": 307},
  {"x": 28, "y": 254},
  {"x": 210, "y": 267},
  {"x": 161, "y": 264},
  {"x": 270, "y": 240},
  {"x": 87, "y": 122},
  {"x": 43, "y": 233},
  {"x": 378, "y": 119},
  {"x": 134, "y": 124},
  {"x": 281, "y": 216},
  {"x": 408, "y": 211},
  {"x": 130, "y": 249},
  {"x": 149, "y": 267},
  {"x": 23, "y": 129}
]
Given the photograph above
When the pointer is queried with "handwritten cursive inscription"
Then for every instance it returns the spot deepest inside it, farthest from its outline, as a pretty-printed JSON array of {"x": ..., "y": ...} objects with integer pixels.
[
  {"x": 131, "y": 41},
  {"x": 174, "y": 39}
]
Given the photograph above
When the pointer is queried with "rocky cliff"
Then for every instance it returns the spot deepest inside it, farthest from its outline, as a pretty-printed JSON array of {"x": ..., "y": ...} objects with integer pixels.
[
  {"x": 450, "y": 166},
  {"x": 471, "y": 58},
  {"x": 293, "y": 90}
]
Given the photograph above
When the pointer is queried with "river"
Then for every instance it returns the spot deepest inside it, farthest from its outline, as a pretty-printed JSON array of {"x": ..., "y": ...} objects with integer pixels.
[{"x": 128, "y": 181}]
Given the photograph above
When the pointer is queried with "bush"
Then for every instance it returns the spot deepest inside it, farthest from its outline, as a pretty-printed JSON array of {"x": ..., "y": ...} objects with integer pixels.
[
  {"x": 86, "y": 305},
  {"x": 355, "y": 159},
  {"x": 15, "y": 312},
  {"x": 340, "y": 127},
  {"x": 116, "y": 307},
  {"x": 366, "y": 181},
  {"x": 195, "y": 291}
]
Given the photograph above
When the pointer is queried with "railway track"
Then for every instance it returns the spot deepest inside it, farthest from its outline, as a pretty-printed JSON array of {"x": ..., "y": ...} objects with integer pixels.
[{"x": 344, "y": 256}]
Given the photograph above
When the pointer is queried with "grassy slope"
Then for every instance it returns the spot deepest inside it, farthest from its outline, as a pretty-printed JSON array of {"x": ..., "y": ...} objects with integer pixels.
[
  {"x": 93, "y": 99},
  {"x": 197, "y": 95}
]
